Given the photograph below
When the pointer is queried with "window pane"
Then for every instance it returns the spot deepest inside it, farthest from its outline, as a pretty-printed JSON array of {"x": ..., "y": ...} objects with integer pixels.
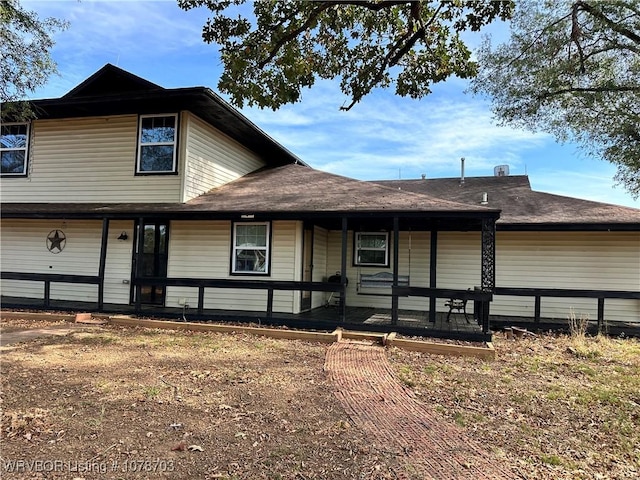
[
  {"x": 149, "y": 239},
  {"x": 158, "y": 129},
  {"x": 373, "y": 241},
  {"x": 251, "y": 235},
  {"x": 14, "y": 136},
  {"x": 12, "y": 161},
  {"x": 248, "y": 260},
  {"x": 372, "y": 256},
  {"x": 156, "y": 158}
]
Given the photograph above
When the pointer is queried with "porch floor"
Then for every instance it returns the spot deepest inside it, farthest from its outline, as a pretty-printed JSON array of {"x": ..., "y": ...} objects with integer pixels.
[{"x": 323, "y": 318}]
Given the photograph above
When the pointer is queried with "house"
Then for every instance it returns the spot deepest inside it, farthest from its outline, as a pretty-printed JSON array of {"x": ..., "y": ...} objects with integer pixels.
[{"x": 126, "y": 196}]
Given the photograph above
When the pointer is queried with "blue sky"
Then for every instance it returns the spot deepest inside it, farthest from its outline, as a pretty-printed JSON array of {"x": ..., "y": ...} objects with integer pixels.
[{"x": 382, "y": 137}]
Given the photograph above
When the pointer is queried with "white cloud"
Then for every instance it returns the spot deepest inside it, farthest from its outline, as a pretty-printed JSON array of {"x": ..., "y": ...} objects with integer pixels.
[
  {"x": 126, "y": 33},
  {"x": 383, "y": 136}
]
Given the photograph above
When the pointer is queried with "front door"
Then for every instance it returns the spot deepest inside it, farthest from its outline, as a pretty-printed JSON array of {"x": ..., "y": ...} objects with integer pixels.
[
  {"x": 154, "y": 260},
  {"x": 307, "y": 266}
]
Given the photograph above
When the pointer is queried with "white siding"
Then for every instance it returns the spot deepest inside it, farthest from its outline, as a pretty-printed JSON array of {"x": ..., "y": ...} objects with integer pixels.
[
  {"x": 87, "y": 160},
  {"x": 213, "y": 158},
  {"x": 118, "y": 263},
  {"x": 202, "y": 249},
  {"x": 24, "y": 250},
  {"x": 573, "y": 260}
]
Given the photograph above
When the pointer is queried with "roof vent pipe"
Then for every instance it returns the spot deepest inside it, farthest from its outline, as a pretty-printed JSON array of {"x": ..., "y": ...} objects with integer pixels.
[
  {"x": 485, "y": 198},
  {"x": 424, "y": 176},
  {"x": 462, "y": 171}
]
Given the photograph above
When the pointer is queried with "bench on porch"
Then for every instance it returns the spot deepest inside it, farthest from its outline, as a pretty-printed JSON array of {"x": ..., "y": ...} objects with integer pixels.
[{"x": 382, "y": 280}]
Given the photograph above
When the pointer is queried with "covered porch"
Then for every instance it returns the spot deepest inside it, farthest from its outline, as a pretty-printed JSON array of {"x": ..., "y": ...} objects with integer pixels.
[{"x": 316, "y": 225}]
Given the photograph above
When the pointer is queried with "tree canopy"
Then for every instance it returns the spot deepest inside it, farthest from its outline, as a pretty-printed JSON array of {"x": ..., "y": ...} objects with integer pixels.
[
  {"x": 286, "y": 46},
  {"x": 25, "y": 44},
  {"x": 572, "y": 68}
]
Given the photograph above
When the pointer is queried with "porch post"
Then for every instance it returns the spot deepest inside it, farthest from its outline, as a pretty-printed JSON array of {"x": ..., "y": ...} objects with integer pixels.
[
  {"x": 138, "y": 275},
  {"x": 103, "y": 261},
  {"x": 433, "y": 264},
  {"x": 343, "y": 272},
  {"x": 488, "y": 266},
  {"x": 394, "y": 297}
]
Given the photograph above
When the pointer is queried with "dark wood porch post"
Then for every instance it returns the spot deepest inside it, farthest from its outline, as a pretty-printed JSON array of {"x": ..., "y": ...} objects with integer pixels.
[
  {"x": 138, "y": 274},
  {"x": 488, "y": 266},
  {"x": 103, "y": 261},
  {"x": 433, "y": 265},
  {"x": 394, "y": 298},
  {"x": 343, "y": 272}
]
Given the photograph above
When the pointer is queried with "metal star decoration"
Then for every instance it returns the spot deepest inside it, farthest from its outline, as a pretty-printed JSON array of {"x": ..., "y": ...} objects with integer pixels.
[{"x": 56, "y": 241}]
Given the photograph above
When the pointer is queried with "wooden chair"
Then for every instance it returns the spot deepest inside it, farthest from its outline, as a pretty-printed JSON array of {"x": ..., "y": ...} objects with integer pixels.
[{"x": 458, "y": 304}]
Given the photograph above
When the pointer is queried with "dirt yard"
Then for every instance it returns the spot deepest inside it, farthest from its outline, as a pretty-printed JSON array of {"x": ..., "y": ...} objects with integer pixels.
[{"x": 113, "y": 403}]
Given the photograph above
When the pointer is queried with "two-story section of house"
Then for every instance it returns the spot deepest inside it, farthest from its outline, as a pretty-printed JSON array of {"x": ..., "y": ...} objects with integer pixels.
[{"x": 117, "y": 139}]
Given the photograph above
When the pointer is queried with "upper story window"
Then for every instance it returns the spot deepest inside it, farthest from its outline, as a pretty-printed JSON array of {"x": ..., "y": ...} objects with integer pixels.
[
  {"x": 157, "y": 143},
  {"x": 250, "y": 248},
  {"x": 14, "y": 145},
  {"x": 371, "y": 248}
]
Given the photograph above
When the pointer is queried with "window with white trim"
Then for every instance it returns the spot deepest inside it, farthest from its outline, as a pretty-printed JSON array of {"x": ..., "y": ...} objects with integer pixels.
[
  {"x": 250, "y": 253},
  {"x": 157, "y": 139},
  {"x": 14, "y": 145},
  {"x": 371, "y": 248}
]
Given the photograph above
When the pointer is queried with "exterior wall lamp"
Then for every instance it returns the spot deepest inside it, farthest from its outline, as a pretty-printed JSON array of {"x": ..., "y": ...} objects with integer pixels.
[{"x": 123, "y": 236}]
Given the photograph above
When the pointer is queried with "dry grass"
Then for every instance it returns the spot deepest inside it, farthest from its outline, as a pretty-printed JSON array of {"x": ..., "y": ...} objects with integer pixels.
[
  {"x": 562, "y": 407},
  {"x": 259, "y": 408},
  {"x": 578, "y": 324}
]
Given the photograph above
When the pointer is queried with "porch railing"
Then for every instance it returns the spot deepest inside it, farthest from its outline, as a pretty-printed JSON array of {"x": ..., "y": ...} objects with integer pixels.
[
  {"x": 202, "y": 283},
  {"x": 49, "y": 278},
  {"x": 538, "y": 293}
]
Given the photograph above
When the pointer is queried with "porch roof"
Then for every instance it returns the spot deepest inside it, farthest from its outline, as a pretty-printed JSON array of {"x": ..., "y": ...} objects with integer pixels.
[
  {"x": 290, "y": 191},
  {"x": 523, "y": 208},
  {"x": 297, "y": 188}
]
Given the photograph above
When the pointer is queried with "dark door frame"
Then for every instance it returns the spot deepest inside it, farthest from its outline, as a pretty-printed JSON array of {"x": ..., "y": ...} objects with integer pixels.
[{"x": 158, "y": 294}]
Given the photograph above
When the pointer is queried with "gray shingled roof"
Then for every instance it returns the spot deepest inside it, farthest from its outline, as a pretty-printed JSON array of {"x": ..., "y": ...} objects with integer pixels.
[
  {"x": 519, "y": 204},
  {"x": 296, "y": 188},
  {"x": 288, "y": 189}
]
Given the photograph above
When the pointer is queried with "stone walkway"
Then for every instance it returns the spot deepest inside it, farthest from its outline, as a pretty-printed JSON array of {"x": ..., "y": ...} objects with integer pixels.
[{"x": 427, "y": 446}]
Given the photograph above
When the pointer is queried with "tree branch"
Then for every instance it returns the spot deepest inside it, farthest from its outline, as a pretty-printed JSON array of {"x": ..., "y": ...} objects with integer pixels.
[
  {"x": 294, "y": 33},
  {"x": 575, "y": 36},
  {"x": 634, "y": 37},
  {"x": 396, "y": 51},
  {"x": 562, "y": 91},
  {"x": 375, "y": 6}
]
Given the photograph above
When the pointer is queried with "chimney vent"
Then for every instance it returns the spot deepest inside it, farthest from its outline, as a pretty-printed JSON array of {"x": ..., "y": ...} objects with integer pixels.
[
  {"x": 485, "y": 198},
  {"x": 462, "y": 171}
]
